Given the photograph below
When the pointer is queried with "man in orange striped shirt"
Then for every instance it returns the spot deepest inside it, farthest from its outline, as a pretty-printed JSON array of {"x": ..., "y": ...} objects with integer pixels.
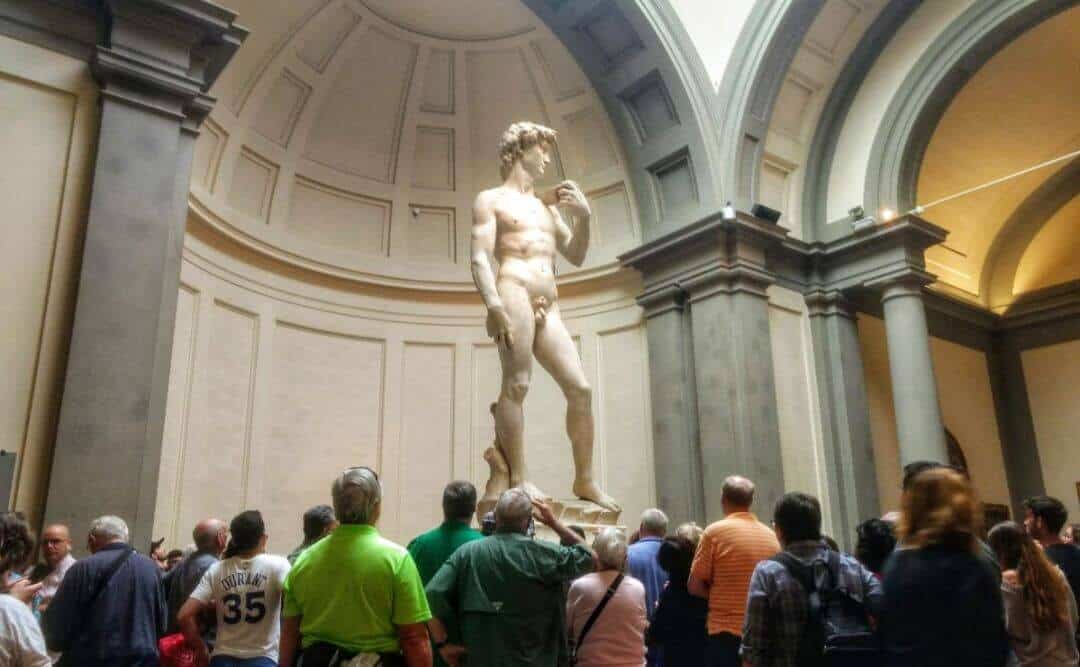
[{"x": 725, "y": 559}]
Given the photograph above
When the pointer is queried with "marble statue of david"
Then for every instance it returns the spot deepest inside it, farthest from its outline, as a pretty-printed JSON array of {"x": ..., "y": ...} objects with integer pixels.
[{"x": 522, "y": 230}]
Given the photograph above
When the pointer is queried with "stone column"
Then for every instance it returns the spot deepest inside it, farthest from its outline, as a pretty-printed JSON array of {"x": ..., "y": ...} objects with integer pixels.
[
  {"x": 915, "y": 398},
  {"x": 677, "y": 457},
  {"x": 845, "y": 413},
  {"x": 157, "y": 60},
  {"x": 737, "y": 416},
  {"x": 710, "y": 360}
]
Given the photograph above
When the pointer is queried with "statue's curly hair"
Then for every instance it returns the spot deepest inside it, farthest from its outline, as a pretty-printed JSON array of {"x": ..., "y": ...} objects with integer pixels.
[{"x": 517, "y": 139}]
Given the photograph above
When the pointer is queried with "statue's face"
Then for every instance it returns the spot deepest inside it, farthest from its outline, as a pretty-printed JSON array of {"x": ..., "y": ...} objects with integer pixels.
[{"x": 536, "y": 158}]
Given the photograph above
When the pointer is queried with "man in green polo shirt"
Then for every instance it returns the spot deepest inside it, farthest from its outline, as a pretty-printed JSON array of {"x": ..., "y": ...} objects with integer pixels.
[
  {"x": 431, "y": 549},
  {"x": 506, "y": 591},
  {"x": 354, "y": 592}
]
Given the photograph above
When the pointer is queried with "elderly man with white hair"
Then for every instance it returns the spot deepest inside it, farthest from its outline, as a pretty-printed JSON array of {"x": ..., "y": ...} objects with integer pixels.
[
  {"x": 605, "y": 610},
  {"x": 353, "y": 593},
  {"x": 506, "y": 591},
  {"x": 109, "y": 609}
]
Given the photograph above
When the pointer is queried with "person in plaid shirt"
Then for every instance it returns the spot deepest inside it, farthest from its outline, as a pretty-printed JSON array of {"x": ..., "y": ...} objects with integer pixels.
[{"x": 776, "y": 606}]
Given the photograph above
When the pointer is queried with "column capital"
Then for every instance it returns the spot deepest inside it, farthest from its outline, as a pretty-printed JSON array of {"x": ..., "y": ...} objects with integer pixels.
[
  {"x": 906, "y": 283},
  {"x": 164, "y": 55},
  {"x": 661, "y": 299},
  {"x": 829, "y": 303},
  {"x": 728, "y": 279}
]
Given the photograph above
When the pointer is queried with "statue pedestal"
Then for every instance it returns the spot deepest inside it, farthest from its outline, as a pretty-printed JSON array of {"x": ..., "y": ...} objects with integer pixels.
[{"x": 573, "y": 512}]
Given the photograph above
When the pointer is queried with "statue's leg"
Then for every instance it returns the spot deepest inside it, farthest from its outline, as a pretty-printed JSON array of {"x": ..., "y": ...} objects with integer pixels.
[
  {"x": 556, "y": 352},
  {"x": 516, "y": 374}
]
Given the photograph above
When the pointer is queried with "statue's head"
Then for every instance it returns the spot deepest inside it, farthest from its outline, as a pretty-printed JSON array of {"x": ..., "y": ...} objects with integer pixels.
[{"x": 528, "y": 143}]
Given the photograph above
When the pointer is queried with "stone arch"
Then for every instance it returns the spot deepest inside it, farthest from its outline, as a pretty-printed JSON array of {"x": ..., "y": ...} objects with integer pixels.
[
  {"x": 831, "y": 123},
  {"x": 656, "y": 92},
  {"x": 922, "y": 99},
  {"x": 761, "y": 57},
  {"x": 1014, "y": 237}
]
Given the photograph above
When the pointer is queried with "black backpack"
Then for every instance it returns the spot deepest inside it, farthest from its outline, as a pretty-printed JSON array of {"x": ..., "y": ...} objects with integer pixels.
[{"x": 837, "y": 631}]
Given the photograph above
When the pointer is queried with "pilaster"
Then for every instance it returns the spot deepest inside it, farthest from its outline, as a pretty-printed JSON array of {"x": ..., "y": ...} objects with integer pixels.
[
  {"x": 155, "y": 63},
  {"x": 679, "y": 486},
  {"x": 720, "y": 265},
  {"x": 848, "y": 442}
]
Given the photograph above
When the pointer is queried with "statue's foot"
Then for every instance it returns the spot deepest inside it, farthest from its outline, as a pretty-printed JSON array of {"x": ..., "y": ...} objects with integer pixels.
[
  {"x": 533, "y": 492},
  {"x": 591, "y": 492}
]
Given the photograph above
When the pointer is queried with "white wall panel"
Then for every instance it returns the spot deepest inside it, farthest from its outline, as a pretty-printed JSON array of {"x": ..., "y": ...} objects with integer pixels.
[{"x": 1052, "y": 374}]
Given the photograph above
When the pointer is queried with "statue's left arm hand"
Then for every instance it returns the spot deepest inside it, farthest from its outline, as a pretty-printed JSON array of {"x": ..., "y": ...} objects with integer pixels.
[{"x": 573, "y": 240}]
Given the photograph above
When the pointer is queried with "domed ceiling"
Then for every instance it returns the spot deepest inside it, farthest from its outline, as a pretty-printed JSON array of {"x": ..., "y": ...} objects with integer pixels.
[{"x": 351, "y": 137}]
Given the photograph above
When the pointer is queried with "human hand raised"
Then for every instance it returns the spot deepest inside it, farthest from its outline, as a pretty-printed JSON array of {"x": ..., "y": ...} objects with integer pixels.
[
  {"x": 24, "y": 591},
  {"x": 542, "y": 512},
  {"x": 499, "y": 326},
  {"x": 571, "y": 197}
]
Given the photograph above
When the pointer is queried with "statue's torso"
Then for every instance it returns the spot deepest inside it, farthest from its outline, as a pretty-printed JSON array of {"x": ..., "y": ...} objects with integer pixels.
[{"x": 525, "y": 243}]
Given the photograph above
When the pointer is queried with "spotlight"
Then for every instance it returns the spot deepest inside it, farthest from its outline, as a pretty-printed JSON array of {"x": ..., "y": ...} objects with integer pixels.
[
  {"x": 727, "y": 213},
  {"x": 857, "y": 212},
  {"x": 887, "y": 214},
  {"x": 765, "y": 213}
]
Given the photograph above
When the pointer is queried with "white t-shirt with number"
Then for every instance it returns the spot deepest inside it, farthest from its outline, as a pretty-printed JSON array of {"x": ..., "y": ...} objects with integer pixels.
[{"x": 247, "y": 595}]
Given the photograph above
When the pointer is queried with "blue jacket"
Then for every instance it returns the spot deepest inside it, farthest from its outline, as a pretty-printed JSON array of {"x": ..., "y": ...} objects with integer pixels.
[{"x": 122, "y": 626}]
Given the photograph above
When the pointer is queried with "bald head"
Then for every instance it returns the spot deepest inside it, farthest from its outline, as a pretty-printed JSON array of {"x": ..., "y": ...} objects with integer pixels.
[
  {"x": 737, "y": 494},
  {"x": 210, "y": 536},
  {"x": 55, "y": 543},
  {"x": 513, "y": 511}
]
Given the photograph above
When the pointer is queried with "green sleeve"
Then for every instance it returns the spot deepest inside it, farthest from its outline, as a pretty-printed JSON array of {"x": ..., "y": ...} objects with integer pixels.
[
  {"x": 410, "y": 602},
  {"x": 292, "y": 605},
  {"x": 441, "y": 590},
  {"x": 566, "y": 563}
]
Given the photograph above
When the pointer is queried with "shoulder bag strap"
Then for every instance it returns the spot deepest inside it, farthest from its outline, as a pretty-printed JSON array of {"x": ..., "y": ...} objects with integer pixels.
[
  {"x": 596, "y": 612},
  {"x": 103, "y": 582}
]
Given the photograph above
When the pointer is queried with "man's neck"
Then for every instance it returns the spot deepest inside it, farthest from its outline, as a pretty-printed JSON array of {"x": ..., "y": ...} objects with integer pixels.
[
  {"x": 519, "y": 180},
  {"x": 1051, "y": 540},
  {"x": 728, "y": 511}
]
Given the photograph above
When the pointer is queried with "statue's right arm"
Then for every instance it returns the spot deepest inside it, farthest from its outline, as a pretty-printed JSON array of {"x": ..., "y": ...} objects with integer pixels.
[{"x": 483, "y": 245}]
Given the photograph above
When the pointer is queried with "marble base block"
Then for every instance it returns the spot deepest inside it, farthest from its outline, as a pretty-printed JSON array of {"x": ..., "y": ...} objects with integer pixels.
[{"x": 572, "y": 512}]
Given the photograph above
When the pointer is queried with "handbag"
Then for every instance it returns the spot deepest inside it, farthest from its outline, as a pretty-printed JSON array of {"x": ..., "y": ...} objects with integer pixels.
[{"x": 592, "y": 618}]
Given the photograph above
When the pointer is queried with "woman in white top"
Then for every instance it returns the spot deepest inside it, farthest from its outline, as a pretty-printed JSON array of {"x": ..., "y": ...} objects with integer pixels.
[
  {"x": 244, "y": 589},
  {"x": 1040, "y": 612},
  {"x": 617, "y": 637},
  {"x": 21, "y": 642}
]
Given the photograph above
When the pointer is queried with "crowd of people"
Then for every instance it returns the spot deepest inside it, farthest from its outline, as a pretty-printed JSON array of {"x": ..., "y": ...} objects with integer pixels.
[{"x": 924, "y": 586}]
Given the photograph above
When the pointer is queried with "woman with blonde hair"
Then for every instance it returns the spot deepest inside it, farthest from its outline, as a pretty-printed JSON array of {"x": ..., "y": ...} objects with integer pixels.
[
  {"x": 605, "y": 610},
  {"x": 1040, "y": 612},
  {"x": 942, "y": 604}
]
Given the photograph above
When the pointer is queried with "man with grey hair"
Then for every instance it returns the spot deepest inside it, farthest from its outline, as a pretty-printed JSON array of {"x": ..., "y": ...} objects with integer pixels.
[
  {"x": 727, "y": 554},
  {"x": 644, "y": 567},
  {"x": 354, "y": 593},
  {"x": 109, "y": 609},
  {"x": 506, "y": 591}
]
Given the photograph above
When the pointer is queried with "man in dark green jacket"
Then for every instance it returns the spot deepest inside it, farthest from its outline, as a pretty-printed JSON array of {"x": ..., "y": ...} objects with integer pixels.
[
  {"x": 506, "y": 590},
  {"x": 431, "y": 549}
]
